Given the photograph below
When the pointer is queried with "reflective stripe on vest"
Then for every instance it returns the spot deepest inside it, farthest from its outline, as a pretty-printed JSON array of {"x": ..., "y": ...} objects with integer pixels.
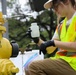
[{"x": 68, "y": 35}]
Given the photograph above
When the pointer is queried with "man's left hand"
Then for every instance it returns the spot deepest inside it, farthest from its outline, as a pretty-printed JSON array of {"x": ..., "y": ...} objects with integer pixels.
[{"x": 46, "y": 44}]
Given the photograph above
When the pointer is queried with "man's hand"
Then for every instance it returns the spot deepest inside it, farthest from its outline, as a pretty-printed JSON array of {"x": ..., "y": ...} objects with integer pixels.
[
  {"x": 35, "y": 38},
  {"x": 46, "y": 44},
  {"x": 7, "y": 67}
]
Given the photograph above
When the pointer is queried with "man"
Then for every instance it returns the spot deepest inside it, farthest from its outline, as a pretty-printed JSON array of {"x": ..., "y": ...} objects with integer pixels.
[{"x": 64, "y": 62}]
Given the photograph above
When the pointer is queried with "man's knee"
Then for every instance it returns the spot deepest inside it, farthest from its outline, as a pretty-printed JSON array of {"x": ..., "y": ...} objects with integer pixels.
[
  {"x": 29, "y": 68},
  {"x": 33, "y": 65}
]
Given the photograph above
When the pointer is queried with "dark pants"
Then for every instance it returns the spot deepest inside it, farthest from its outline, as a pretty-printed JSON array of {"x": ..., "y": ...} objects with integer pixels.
[{"x": 50, "y": 67}]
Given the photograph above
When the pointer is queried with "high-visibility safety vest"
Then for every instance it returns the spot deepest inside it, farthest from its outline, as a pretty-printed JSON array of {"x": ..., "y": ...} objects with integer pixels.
[{"x": 68, "y": 35}]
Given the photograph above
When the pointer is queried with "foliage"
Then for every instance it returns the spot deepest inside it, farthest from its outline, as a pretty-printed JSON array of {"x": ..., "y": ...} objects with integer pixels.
[
  {"x": 10, "y": 3},
  {"x": 17, "y": 30}
]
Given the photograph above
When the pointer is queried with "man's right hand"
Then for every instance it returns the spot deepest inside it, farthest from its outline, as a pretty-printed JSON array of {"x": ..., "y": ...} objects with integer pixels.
[{"x": 35, "y": 38}]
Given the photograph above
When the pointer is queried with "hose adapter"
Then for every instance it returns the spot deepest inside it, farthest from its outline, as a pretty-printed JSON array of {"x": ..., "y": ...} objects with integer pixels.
[{"x": 15, "y": 48}]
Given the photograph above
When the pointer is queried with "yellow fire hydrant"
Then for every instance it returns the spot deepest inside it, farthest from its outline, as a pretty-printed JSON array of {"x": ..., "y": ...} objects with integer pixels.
[{"x": 7, "y": 49}]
